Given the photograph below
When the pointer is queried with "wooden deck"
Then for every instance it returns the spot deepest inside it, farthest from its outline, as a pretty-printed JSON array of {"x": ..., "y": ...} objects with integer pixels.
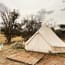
[{"x": 27, "y": 57}]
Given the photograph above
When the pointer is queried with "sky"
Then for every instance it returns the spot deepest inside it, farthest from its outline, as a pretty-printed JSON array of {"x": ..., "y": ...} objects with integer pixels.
[{"x": 27, "y": 7}]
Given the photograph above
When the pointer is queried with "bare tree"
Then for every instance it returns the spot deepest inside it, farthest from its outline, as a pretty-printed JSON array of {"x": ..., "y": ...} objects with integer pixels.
[
  {"x": 41, "y": 15},
  {"x": 30, "y": 27},
  {"x": 9, "y": 19}
]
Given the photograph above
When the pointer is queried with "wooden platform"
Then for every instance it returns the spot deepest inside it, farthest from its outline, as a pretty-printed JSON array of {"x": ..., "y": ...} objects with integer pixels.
[{"x": 26, "y": 57}]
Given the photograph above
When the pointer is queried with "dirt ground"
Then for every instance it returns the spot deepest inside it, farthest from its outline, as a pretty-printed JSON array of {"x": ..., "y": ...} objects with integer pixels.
[{"x": 48, "y": 59}]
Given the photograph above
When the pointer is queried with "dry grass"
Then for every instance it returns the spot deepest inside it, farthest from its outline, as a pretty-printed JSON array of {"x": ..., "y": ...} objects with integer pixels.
[
  {"x": 3, "y": 38},
  {"x": 14, "y": 39},
  {"x": 17, "y": 39}
]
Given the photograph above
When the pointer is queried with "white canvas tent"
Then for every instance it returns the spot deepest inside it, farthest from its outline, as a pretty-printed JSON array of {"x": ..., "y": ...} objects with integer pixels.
[{"x": 45, "y": 40}]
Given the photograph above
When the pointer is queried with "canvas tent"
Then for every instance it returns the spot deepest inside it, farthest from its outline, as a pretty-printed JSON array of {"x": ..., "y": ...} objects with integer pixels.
[{"x": 45, "y": 40}]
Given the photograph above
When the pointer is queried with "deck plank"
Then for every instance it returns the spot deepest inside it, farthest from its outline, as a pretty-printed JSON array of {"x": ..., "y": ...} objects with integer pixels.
[{"x": 26, "y": 57}]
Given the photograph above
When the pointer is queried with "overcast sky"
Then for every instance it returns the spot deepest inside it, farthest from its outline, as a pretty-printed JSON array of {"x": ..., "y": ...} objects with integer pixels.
[{"x": 26, "y": 7}]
